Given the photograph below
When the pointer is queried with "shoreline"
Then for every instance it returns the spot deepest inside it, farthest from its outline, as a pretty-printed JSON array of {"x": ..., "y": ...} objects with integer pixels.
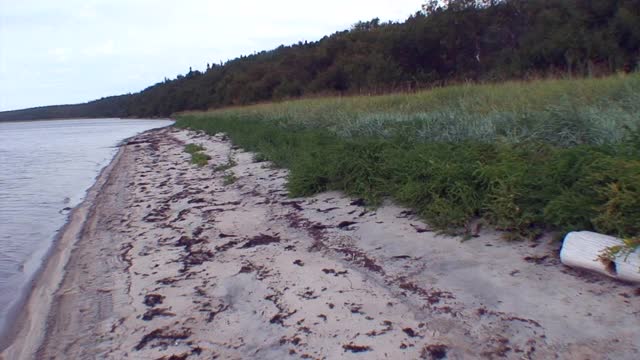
[
  {"x": 86, "y": 118},
  {"x": 15, "y": 313},
  {"x": 34, "y": 305},
  {"x": 173, "y": 259}
]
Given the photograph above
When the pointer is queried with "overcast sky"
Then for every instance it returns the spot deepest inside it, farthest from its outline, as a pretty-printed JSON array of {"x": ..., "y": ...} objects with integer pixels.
[{"x": 70, "y": 51}]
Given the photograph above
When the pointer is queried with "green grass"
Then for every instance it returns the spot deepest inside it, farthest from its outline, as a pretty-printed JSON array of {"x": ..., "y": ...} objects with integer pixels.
[
  {"x": 527, "y": 157},
  {"x": 226, "y": 166},
  {"x": 197, "y": 156},
  {"x": 229, "y": 178},
  {"x": 193, "y": 148}
]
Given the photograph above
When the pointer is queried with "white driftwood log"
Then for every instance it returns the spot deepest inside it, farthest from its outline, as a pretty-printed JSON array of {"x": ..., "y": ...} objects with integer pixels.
[{"x": 581, "y": 249}]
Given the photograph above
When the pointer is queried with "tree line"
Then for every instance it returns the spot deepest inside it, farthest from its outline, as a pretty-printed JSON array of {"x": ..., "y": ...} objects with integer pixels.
[{"x": 455, "y": 40}]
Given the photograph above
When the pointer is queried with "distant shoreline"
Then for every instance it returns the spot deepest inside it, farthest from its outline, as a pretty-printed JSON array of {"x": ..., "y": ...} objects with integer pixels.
[{"x": 86, "y": 118}]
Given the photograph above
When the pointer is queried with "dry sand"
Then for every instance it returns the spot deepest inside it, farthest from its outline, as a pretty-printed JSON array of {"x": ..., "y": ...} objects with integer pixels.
[{"x": 172, "y": 263}]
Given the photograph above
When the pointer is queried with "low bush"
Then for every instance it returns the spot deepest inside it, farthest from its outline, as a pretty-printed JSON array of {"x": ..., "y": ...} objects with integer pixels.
[
  {"x": 557, "y": 167},
  {"x": 200, "y": 159},
  {"x": 193, "y": 148},
  {"x": 229, "y": 178},
  {"x": 197, "y": 156},
  {"x": 226, "y": 166}
]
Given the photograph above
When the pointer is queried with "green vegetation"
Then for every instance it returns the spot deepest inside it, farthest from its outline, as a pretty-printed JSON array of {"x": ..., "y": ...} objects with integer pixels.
[
  {"x": 259, "y": 158},
  {"x": 226, "y": 166},
  {"x": 229, "y": 178},
  {"x": 193, "y": 148},
  {"x": 110, "y": 107},
  {"x": 524, "y": 156},
  {"x": 197, "y": 156},
  {"x": 629, "y": 246},
  {"x": 466, "y": 40},
  {"x": 200, "y": 159}
]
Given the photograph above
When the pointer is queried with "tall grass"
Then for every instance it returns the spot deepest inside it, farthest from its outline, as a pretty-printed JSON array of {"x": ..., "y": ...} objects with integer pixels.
[
  {"x": 524, "y": 156},
  {"x": 563, "y": 112}
]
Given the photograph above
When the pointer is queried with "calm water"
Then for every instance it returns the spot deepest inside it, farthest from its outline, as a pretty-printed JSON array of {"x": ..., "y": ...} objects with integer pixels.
[{"x": 45, "y": 168}]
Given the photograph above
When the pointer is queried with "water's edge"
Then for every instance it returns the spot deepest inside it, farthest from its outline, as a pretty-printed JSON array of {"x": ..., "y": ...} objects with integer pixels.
[{"x": 28, "y": 315}]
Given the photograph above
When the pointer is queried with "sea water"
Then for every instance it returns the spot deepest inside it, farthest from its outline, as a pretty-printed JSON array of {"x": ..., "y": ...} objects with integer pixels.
[{"x": 46, "y": 167}]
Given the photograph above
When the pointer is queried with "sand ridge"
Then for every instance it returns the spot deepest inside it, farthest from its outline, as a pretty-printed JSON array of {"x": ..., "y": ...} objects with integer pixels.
[{"x": 177, "y": 262}]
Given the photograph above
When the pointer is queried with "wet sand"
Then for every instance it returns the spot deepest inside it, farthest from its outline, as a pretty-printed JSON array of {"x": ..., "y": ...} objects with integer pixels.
[{"x": 165, "y": 260}]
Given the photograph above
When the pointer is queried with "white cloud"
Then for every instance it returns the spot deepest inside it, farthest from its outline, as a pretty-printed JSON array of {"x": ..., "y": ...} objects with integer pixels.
[
  {"x": 60, "y": 55},
  {"x": 104, "y": 49},
  {"x": 86, "y": 11},
  {"x": 119, "y": 46}
]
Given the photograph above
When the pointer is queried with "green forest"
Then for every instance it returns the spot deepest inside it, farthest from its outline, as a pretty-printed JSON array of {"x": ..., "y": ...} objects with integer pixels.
[{"x": 443, "y": 43}]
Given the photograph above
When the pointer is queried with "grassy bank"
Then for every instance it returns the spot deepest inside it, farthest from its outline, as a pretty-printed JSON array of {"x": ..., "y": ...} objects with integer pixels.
[{"x": 524, "y": 157}]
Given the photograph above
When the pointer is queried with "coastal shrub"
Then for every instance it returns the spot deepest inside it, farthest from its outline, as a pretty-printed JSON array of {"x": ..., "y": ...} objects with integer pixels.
[
  {"x": 310, "y": 174},
  {"x": 517, "y": 188},
  {"x": 556, "y": 155},
  {"x": 357, "y": 168},
  {"x": 440, "y": 182},
  {"x": 618, "y": 189},
  {"x": 574, "y": 201},
  {"x": 193, "y": 148},
  {"x": 259, "y": 157},
  {"x": 200, "y": 159},
  {"x": 229, "y": 178},
  {"x": 226, "y": 166},
  {"x": 604, "y": 196},
  {"x": 197, "y": 156},
  {"x": 628, "y": 247}
]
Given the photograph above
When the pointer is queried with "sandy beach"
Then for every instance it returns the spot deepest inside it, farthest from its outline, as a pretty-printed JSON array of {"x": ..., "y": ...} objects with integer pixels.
[{"x": 167, "y": 260}]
